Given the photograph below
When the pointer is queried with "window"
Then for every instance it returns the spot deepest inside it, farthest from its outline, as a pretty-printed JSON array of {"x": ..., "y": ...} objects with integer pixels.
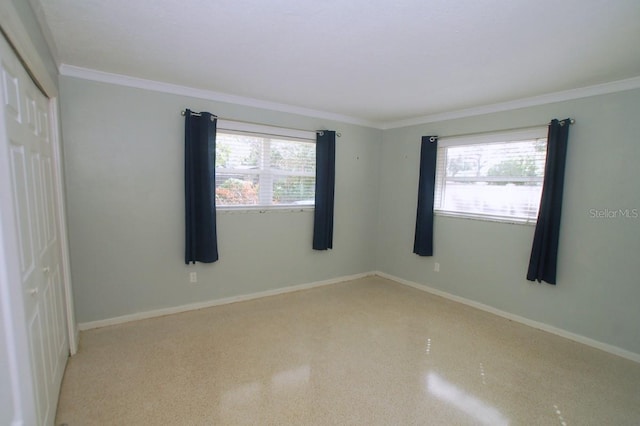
[
  {"x": 497, "y": 176},
  {"x": 263, "y": 166}
]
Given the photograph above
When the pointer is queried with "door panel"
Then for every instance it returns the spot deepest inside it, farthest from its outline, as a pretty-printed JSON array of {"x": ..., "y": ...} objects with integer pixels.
[
  {"x": 39, "y": 367},
  {"x": 21, "y": 202},
  {"x": 39, "y": 238},
  {"x": 12, "y": 100},
  {"x": 49, "y": 195}
]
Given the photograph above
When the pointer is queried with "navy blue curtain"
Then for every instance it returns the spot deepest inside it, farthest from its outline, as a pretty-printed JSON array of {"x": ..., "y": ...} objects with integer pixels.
[
  {"x": 423, "y": 240},
  {"x": 200, "y": 178},
  {"x": 544, "y": 252},
  {"x": 325, "y": 187}
]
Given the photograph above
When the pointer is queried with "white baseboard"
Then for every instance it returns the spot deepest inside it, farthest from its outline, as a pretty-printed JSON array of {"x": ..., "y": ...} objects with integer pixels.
[
  {"x": 224, "y": 301},
  {"x": 215, "y": 302},
  {"x": 531, "y": 323}
]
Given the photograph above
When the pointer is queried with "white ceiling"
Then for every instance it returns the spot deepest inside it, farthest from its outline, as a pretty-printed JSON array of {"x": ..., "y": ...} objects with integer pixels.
[{"x": 371, "y": 60}]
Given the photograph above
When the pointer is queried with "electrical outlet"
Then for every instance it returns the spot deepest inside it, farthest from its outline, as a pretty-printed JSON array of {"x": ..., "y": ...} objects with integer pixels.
[
  {"x": 436, "y": 267},
  {"x": 193, "y": 277}
]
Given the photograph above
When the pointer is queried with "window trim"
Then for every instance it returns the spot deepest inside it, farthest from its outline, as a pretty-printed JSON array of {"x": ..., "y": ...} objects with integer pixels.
[
  {"x": 493, "y": 137},
  {"x": 243, "y": 127},
  {"x": 264, "y": 209},
  {"x": 265, "y": 130},
  {"x": 485, "y": 218},
  {"x": 538, "y": 132}
]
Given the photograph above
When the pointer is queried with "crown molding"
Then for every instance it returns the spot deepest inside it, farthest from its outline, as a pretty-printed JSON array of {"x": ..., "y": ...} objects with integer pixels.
[
  {"x": 157, "y": 86},
  {"x": 549, "y": 98},
  {"x": 174, "y": 89}
]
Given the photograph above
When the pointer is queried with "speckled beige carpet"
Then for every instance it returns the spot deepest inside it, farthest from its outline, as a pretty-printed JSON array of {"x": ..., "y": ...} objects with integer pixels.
[{"x": 366, "y": 352}]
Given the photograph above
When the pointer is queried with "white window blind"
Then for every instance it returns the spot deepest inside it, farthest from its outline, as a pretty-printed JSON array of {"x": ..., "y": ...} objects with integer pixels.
[
  {"x": 260, "y": 166},
  {"x": 497, "y": 176}
]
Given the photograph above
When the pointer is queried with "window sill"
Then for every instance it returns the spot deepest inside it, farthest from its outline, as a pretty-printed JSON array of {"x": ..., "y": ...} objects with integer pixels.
[
  {"x": 263, "y": 209},
  {"x": 487, "y": 218}
]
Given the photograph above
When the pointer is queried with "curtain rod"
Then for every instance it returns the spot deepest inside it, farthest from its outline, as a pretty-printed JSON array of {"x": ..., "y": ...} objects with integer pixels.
[
  {"x": 183, "y": 112},
  {"x": 571, "y": 121},
  {"x": 320, "y": 132}
]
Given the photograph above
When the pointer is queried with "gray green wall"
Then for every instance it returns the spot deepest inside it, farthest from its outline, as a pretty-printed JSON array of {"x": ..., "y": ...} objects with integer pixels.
[
  {"x": 123, "y": 162},
  {"x": 598, "y": 291},
  {"x": 30, "y": 23},
  {"x": 124, "y": 175}
]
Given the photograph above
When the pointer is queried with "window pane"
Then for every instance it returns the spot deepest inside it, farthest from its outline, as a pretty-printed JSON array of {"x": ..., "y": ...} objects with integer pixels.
[
  {"x": 261, "y": 170},
  {"x": 293, "y": 156},
  {"x": 508, "y": 200},
  {"x": 294, "y": 190},
  {"x": 238, "y": 151},
  {"x": 501, "y": 179},
  {"x": 497, "y": 161},
  {"x": 236, "y": 189}
]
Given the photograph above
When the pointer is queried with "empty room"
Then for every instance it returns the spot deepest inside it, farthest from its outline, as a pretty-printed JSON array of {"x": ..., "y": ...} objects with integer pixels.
[{"x": 319, "y": 212}]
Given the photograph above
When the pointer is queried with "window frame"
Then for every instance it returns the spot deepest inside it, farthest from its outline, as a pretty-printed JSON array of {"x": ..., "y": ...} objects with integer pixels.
[
  {"x": 484, "y": 138},
  {"x": 265, "y": 131}
]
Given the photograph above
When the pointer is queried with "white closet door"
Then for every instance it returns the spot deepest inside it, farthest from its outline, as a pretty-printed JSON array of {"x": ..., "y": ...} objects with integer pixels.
[{"x": 29, "y": 150}]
